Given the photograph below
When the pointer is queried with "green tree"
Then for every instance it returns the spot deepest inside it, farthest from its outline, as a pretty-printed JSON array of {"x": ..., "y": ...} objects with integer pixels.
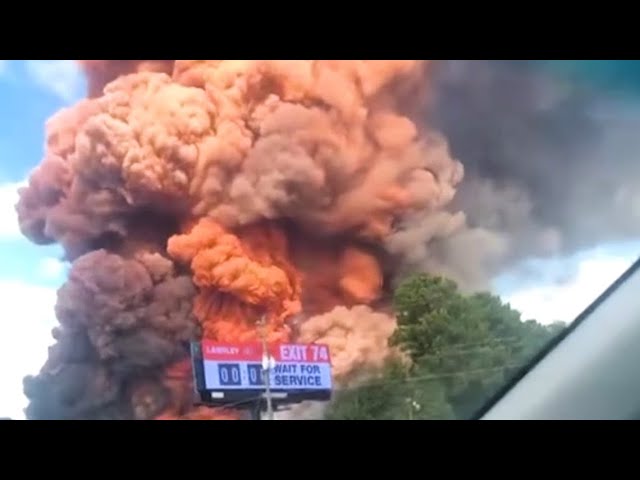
[
  {"x": 462, "y": 349},
  {"x": 394, "y": 395}
]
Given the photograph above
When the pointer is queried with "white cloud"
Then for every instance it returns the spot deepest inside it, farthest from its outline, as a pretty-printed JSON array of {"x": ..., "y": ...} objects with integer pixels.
[
  {"x": 8, "y": 217},
  {"x": 61, "y": 77},
  {"x": 51, "y": 268},
  {"x": 3, "y": 66},
  {"x": 25, "y": 333},
  {"x": 552, "y": 302}
]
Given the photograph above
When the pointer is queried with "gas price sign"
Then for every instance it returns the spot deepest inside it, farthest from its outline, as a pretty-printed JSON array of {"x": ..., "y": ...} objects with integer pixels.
[{"x": 299, "y": 369}]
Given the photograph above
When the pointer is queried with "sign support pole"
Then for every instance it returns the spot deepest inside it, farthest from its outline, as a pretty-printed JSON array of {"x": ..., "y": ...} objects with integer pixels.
[
  {"x": 256, "y": 409},
  {"x": 266, "y": 367}
]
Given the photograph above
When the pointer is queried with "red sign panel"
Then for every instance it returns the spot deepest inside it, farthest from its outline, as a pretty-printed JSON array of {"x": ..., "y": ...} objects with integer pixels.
[{"x": 252, "y": 352}]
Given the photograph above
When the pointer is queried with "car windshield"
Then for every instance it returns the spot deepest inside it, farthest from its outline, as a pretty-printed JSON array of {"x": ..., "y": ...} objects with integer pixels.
[{"x": 338, "y": 240}]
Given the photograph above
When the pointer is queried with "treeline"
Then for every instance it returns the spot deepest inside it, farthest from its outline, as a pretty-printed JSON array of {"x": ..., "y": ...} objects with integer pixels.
[{"x": 458, "y": 350}]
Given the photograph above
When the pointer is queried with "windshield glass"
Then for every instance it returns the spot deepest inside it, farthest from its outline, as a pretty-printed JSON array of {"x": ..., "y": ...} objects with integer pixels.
[{"x": 303, "y": 239}]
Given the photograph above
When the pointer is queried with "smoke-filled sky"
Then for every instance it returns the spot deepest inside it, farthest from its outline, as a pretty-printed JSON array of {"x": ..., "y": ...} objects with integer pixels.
[{"x": 544, "y": 127}]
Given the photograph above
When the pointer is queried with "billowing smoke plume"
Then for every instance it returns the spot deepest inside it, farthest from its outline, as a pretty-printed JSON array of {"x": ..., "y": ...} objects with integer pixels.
[
  {"x": 136, "y": 312},
  {"x": 357, "y": 338},
  {"x": 196, "y": 197},
  {"x": 550, "y": 160},
  {"x": 550, "y": 168}
]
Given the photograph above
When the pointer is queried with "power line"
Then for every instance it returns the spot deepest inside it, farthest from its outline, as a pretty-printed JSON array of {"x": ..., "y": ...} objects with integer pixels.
[
  {"x": 430, "y": 377},
  {"x": 488, "y": 343},
  {"x": 395, "y": 382},
  {"x": 240, "y": 402},
  {"x": 231, "y": 405},
  {"x": 466, "y": 351},
  {"x": 225, "y": 406}
]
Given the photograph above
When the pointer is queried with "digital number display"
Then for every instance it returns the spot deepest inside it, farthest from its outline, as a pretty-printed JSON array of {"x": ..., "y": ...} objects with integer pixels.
[
  {"x": 255, "y": 375},
  {"x": 229, "y": 374}
]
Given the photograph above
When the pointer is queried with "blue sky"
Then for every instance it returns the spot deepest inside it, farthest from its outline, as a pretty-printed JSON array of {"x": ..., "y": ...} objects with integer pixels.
[{"x": 30, "y": 91}]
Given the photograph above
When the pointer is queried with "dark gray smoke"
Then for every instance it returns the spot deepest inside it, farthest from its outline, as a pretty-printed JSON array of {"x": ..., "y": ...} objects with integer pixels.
[{"x": 550, "y": 163}]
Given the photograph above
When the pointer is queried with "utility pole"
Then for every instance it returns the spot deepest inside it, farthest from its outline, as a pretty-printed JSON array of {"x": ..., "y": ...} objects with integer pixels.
[
  {"x": 255, "y": 410},
  {"x": 266, "y": 366},
  {"x": 412, "y": 405}
]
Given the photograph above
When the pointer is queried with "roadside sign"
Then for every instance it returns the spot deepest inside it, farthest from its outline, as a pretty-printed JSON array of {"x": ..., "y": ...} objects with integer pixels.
[{"x": 297, "y": 372}]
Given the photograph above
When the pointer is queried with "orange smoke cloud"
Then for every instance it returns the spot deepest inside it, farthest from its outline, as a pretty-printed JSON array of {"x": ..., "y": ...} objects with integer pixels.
[
  {"x": 357, "y": 338},
  {"x": 317, "y": 142},
  {"x": 335, "y": 271},
  {"x": 235, "y": 276},
  {"x": 101, "y": 72},
  {"x": 274, "y": 186},
  {"x": 361, "y": 277}
]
